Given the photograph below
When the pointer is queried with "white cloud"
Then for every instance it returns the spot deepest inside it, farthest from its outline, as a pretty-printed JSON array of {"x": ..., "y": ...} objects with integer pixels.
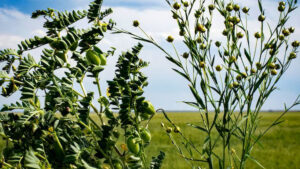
[
  {"x": 17, "y": 23},
  {"x": 15, "y": 26},
  {"x": 9, "y": 41},
  {"x": 39, "y": 32}
]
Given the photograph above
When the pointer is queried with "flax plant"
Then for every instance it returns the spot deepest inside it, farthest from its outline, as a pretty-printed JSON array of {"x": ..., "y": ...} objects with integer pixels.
[{"x": 234, "y": 76}]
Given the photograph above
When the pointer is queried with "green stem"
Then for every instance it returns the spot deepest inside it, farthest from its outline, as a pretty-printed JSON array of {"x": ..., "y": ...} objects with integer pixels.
[
  {"x": 58, "y": 142},
  {"x": 82, "y": 88},
  {"x": 100, "y": 94}
]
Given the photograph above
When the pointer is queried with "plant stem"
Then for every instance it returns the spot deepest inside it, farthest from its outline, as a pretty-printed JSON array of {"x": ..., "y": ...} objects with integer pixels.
[{"x": 100, "y": 94}]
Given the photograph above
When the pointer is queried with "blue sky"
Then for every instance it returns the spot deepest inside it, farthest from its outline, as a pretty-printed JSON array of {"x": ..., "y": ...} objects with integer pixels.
[
  {"x": 27, "y": 6},
  {"x": 166, "y": 89}
]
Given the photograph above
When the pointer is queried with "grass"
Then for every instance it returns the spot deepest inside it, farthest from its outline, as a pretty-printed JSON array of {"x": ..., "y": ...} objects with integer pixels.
[{"x": 279, "y": 149}]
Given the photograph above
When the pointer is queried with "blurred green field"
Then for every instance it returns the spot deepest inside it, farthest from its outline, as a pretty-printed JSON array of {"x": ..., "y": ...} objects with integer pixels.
[{"x": 279, "y": 149}]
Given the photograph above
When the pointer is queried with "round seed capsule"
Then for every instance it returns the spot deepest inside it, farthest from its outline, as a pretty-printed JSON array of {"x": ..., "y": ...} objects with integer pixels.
[
  {"x": 199, "y": 40},
  {"x": 169, "y": 130},
  {"x": 292, "y": 29},
  {"x": 232, "y": 59},
  {"x": 261, "y": 18},
  {"x": 218, "y": 44},
  {"x": 273, "y": 72},
  {"x": 236, "y": 20},
  {"x": 240, "y": 35},
  {"x": 219, "y": 68},
  {"x": 272, "y": 65},
  {"x": 281, "y": 37},
  {"x": 175, "y": 16},
  {"x": 295, "y": 44},
  {"x": 136, "y": 23},
  {"x": 225, "y": 32},
  {"x": 236, "y": 7},
  {"x": 230, "y": 24},
  {"x": 238, "y": 77},
  {"x": 285, "y": 32},
  {"x": 176, "y": 129},
  {"x": 257, "y": 35},
  {"x": 198, "y": 14},
  {"x": 182, "y": 33},
  {"x": 185, "y": 4},
  {"x": 230, "y": 18},
  {"x": 235, "y": 84},
  {"x": 201, "y": 28},
  {"x": 258, "y": 65},
  {"x": 226, "y": 53},
  {"x": 293, "y": 55},
  {"x": 229, "y": 7},
  {"x": 211, "y": 7},
  {"x": 253, "y": 71},
  {"x": 176, "y": 5},
  {"x": 185, "y": 55},
  {"x": 170, "y": 39},
  {"x": 202, "y": 46},
  {"x": 282, "y": 3},
  {"x": 245, "y": 10},
  {"x": 244, "y": 74},
  {"x": 281, "y": 8},
  {"x": 268, "y": 46},
  {"x": 202, "y": 64}
]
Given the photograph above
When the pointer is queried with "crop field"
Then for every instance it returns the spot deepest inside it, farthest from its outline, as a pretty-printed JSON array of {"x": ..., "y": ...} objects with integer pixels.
[{"x": 279, "y": 149}]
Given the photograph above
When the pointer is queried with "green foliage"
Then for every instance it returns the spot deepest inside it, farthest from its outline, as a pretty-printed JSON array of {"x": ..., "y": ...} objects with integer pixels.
[
  {"x": 57, "y": 21},
  {"x": 157, "y": 161},
  {"x": 58, "y": 131},
  {"x": 30, "y": 160},
  {"x": 95, "y": 10}
]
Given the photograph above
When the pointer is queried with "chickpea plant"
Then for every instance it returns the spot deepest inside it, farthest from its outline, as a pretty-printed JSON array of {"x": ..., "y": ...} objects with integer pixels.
[
  {"x": 234, "y": 76},
  {"x": 62, "y": 133}
]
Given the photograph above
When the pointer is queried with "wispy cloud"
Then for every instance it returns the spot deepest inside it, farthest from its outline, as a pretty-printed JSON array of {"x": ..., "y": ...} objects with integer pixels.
[{"x": 16, "y": 23}]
